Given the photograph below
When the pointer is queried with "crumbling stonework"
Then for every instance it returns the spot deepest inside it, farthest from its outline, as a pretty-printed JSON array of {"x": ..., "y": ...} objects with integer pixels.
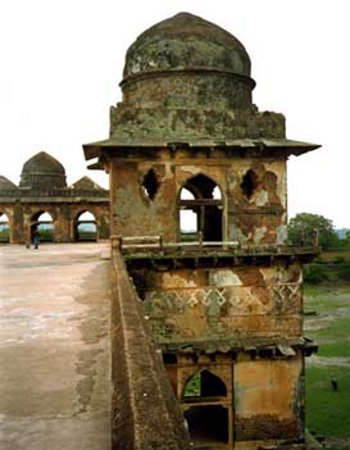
[
  {"x": 146, "y": 416},
  {"x": 198, "y": 189}
]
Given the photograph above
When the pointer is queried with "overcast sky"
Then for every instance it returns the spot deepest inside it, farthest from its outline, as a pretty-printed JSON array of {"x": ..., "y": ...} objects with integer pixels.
[{"x": 62, "y": 60}]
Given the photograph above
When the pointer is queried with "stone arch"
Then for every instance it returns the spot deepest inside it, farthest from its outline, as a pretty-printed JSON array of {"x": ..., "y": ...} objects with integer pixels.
[
  {"x": 85, "y": 226},
  {"x": 43, "y": 221},
  {"x": 5, "y": 227},
  {"x": 204, "y": 384},
  {"x": 201, "y": 210},
  {"x": 207, "y": 419}
]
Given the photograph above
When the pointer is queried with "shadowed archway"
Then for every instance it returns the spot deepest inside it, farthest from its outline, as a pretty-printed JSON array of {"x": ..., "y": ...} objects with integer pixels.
[
  {"x": 85, "y": 228},
  {"x": 42, "y": 222},
  {"x": 4, "y": 228}
]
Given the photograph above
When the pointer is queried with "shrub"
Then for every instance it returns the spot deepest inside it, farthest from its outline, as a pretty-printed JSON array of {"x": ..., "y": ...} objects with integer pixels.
[
  {"x": 343, "y": 270},
  {"x": 315, "y": 274}
]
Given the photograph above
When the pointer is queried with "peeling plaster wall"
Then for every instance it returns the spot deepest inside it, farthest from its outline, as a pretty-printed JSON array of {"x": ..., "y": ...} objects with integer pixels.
[
  {"x": 134, "y": 214},
  {"x": 259, "y": 219},
  {"x": 232, "y": 303},
  {"x": 268, "y": 399},
  {"x": 264, "y": 396}
]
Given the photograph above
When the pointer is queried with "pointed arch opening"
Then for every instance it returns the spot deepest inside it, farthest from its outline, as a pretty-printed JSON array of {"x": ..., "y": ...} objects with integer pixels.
[
  {"x": 4, "y": 228},
  {"x": 204, "y": 384},
  {"x": 200, "y": 210},
  {"x": 42, "y": 225},
  {"x": 85, "y": 227},
  {"x": 207, "y": 423}
]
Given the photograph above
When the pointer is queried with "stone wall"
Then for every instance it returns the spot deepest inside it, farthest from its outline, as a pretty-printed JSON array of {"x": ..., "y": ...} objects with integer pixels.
[
  {"x": 225, "y": 303},
  {"x": 255, "y": 215},
  {"x": 146, "y": 415}
]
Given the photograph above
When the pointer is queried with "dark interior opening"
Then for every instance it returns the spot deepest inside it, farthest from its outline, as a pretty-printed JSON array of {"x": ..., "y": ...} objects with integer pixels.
[
  {"x": 249, "y": 183},
  {"x": 150, "y": 184},
  {"x": 207, "y": 424},
  {"x": 169, "y": 358}
]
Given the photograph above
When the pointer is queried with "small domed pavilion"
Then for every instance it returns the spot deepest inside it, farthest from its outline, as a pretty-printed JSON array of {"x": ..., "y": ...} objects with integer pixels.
[{"x": 44, "y": 202}]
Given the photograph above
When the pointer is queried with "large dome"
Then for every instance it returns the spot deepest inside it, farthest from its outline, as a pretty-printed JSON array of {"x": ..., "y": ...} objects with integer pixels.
[
  {"x": 189, "y": 63},
  {"x": 43, "y": 171},
  {"x": 187, "y": 42}
]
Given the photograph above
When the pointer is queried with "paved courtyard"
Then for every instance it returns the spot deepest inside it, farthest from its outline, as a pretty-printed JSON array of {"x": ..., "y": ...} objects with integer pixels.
[{"x": 54, "y": 347}]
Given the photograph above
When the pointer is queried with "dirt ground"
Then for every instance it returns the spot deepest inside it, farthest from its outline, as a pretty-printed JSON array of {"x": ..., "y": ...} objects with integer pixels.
[{"x": 54, "y": 347}]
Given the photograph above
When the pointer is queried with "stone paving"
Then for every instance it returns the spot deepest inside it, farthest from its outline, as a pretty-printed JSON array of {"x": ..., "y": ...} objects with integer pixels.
[{"x": 55, "y": 347}]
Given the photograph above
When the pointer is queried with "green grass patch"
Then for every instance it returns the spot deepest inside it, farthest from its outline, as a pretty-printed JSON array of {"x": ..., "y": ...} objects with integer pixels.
[
  {"x": 327, "y": 411},
  {"x": 336, "y": 350},
  {"x": 324, "y": 299},
  {"x": 336, "y": 328}
]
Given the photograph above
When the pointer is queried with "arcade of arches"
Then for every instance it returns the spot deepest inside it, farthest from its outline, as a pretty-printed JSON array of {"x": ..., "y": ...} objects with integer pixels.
[{"x": 43, "y": 202}]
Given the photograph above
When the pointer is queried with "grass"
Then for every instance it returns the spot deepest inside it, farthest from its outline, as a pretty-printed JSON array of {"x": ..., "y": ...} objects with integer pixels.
[
  {"x": 328, "y": 411},
  {"x": 335, "y": 350}
]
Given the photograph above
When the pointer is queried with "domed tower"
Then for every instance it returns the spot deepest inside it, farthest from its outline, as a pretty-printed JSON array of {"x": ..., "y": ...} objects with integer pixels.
[
  {"x": 43, "y": 171},
  {"x": 198, "y": 189}
]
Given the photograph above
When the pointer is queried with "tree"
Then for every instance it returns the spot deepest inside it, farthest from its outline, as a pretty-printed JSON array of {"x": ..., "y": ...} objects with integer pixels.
[{"x": 301, "y": 230}]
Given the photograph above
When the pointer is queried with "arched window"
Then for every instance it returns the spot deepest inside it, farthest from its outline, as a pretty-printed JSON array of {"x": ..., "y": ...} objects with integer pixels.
[
  {"x": 200, "y": 210},
  {"x": 4, "y": 228},
  {"x": 85, "y": 227},
  {"x": 207, "y": 423},
  {"x": 42, "y": 222},
  {"x": 204, "y": 384}
]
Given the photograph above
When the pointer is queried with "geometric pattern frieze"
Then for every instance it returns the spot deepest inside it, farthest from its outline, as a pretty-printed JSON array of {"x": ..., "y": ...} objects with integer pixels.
[{"x": 233, "y": 295}]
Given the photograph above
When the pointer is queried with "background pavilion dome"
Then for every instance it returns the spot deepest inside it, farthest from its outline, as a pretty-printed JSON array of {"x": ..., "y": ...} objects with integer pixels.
[
  {"x": 43, "y": 171},
  {"x": 5, "y": 184},
  {"x": 185, "y": 42}
]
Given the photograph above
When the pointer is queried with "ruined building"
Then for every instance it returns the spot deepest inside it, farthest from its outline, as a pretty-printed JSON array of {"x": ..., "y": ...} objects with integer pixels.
[
  {"x": 43, "y": 201},
  {"x": 198, "y": 190}
]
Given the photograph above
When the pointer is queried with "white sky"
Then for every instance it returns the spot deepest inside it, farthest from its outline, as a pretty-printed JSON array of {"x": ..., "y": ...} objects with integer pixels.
[{"x": 62, "y": 60}]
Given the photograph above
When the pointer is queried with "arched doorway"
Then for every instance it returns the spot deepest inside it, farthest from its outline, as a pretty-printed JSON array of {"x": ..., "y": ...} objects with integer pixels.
[
  {"x": 85, "y": 227},
  {"x": 4, "y": 228},
  {"x": 207, "y": 423},
  {"x": 200, "y": 210},
  {"x": 42, "y": 223}
]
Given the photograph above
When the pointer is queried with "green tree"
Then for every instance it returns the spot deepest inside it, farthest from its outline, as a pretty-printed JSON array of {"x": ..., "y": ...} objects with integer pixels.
[
  {"x": 301, "y": 230},
  {"x": 347, "y": 238}
]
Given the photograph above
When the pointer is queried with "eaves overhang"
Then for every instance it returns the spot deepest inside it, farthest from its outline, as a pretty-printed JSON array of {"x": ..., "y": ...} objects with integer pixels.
[{"x": 285, "y": 146}]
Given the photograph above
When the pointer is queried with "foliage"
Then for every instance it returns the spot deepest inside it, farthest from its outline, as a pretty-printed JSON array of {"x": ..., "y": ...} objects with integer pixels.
[
  {"x": 4, "y": 235},
  {"x": 315, "y": 273},
  {"x": 301, "y": 230},
  {"x": 343, "y": 270},
  {"x": 193, "y": 386}
]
